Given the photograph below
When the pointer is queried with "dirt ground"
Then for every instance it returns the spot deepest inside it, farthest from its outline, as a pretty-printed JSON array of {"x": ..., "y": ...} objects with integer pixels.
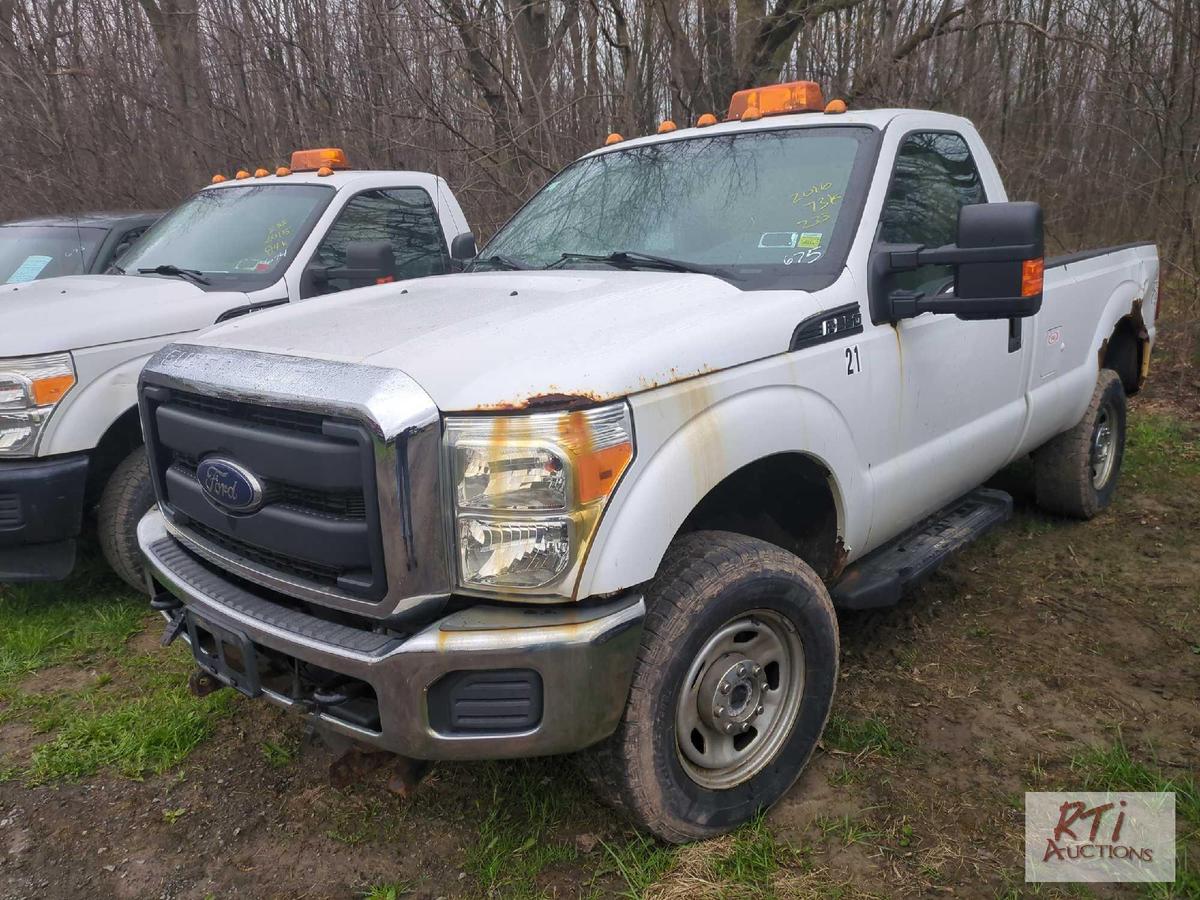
[{"x": 1051, "y": 654}]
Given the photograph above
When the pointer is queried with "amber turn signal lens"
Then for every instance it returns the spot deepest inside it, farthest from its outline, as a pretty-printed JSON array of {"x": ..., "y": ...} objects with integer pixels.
[
  {"x": 50, "y": 390},
  {"x": 1032, "y": 276},
  {"x": 598, "y": 470}
]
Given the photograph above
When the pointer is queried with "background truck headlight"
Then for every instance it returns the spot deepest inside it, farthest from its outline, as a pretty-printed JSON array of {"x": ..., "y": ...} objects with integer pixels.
[
  {"x": 30, "y": 388},
  {"x": 528, "y": 491}
]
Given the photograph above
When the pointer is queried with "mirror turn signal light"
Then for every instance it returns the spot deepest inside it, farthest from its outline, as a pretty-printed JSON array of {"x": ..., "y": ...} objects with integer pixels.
[{"x": 1033, "y": 272}]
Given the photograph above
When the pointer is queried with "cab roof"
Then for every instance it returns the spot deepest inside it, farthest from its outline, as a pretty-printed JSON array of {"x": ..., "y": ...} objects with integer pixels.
[
  {"x": 340, "y": 178},
  {"x": 89, "y": 220},
  {"x": 874, "y": 118}
]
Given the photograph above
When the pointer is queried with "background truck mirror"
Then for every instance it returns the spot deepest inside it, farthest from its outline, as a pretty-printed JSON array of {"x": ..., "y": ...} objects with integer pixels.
[
  {"x": 462, "y": 247},
  {"x": 997, "y": 267}
]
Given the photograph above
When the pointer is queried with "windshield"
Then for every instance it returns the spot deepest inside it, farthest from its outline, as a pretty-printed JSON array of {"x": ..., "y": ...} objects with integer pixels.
[
  {"x": 29, "y": 252},
  {"x": 760, "y": 207},
  {"x": 237, "y": 238}
]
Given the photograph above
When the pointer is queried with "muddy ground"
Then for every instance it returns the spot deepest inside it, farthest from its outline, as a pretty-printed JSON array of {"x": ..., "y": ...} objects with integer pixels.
[{"x": 1051, "y": 654}]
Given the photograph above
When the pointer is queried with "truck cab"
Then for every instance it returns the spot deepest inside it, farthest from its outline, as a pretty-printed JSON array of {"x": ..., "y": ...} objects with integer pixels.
[
  {"x": 604, "y": 491},
  {"x": 55, "y": 246},
  {"x": 71, "y": 347}
]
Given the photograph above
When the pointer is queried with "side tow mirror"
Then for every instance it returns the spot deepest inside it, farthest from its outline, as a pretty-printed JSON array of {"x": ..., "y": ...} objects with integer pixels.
[
  {"x": 367, "y": 263},
  {"x": 463, "y": 248},
  {"x": 998, "y": 267}
]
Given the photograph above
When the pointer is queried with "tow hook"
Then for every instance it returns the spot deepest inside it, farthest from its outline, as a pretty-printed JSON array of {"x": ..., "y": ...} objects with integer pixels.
[
  {"x": 355, "y": 765},
  {"x": 202, "y": 683}
]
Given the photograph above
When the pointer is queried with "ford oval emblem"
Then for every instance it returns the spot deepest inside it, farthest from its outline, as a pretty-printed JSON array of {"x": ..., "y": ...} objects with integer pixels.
[{"x": 228, "y": 486}]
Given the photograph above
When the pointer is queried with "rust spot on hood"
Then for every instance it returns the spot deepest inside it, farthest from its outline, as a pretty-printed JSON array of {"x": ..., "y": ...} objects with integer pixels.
[{"x": 555, "y": 401}]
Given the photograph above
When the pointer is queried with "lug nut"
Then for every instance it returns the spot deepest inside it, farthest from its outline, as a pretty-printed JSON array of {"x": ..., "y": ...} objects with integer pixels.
[
  {"x": 745, "y": 726},
  {"x": 729, "y": 728},
  {"x": 759, "y": 711},
  {"x": 719, "y": 711},
  {"x": 764, "y": 686},
  {"x": 757, "y": 669},
  {"x": 725, "y": 687},
  {"x": 742, "y": 669}
]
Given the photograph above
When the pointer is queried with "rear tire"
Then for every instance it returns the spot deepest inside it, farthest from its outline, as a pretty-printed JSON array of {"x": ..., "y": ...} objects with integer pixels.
[
  {"x": 127, "y": 497},
  {"x": 1076, "y": 473},
  {"x": 731, "y": 690}
]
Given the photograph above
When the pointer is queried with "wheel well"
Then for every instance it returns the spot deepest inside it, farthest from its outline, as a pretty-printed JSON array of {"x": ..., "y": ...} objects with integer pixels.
[
  {"x": 1123, "y": 354},
  {"x": 787, "y": 500},
  {"x": 122, "y": 437}
]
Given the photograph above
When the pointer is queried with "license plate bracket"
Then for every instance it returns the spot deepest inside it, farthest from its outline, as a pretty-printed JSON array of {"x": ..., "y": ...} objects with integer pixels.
[{"x": 225, "y": 654}]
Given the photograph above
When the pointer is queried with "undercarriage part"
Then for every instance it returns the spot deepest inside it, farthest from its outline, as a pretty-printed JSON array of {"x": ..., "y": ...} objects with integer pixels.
[{"x": 201, "y": 683}]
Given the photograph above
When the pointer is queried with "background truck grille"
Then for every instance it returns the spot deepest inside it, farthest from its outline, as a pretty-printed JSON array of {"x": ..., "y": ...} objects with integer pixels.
[{"x": 319, "y": 520}]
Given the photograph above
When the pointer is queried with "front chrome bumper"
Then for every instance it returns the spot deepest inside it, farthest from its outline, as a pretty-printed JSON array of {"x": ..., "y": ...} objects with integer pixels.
[{"x": 583, "y": 655}]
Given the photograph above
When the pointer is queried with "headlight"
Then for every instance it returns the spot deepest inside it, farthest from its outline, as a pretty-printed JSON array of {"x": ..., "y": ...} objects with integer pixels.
[
  {"x": 30, "y": 388},
  {"x": 528, "y": 491}
]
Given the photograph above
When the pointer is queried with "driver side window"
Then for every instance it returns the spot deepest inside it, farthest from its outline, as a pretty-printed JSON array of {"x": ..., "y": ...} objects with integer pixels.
[
  {"x": 934, "y": 177},
  {"x": 404, "y": 217}
]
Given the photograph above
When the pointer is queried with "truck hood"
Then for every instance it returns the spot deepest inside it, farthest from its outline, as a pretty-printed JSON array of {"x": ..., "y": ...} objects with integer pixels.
[
  {"x": 510, "y": 340},
  {"x": 91, "y": 310}
]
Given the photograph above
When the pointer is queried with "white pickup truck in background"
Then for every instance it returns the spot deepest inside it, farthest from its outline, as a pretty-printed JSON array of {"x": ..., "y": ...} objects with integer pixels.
[
  {"x": 604, "y": 491},
  {"x": 71, "y": 348}
]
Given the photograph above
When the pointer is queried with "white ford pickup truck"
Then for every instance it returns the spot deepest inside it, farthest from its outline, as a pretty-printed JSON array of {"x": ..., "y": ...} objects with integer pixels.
[
  {"x": 71, "y": 348},
  {"x": 605, "y": 491}
]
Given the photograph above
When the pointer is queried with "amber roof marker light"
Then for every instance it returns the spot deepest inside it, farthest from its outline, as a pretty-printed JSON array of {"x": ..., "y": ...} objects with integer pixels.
[
  {"x": 613, "y": 138},
  {"x": 776, "y": 100}
]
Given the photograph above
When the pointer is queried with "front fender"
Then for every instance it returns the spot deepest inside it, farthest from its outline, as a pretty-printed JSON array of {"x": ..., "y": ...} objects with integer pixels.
[
  {"x": 106, "y": 388},
  {"x": 690, "y": 437}
]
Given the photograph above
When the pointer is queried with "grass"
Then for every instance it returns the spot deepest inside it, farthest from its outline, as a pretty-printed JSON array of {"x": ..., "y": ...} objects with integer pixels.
[
  {"x": 870, "y": 735},
  {"x": 132, "y": 715},
  {"x": 45, "y": 625},
  {"x": 1159, "y": 448},
  {"x": 1114, "y": 768},
  {"x": 148, "y": 725},
  {"x": 522, "y": 809},
  {"x": 387, "y": 890},
  {"x": 280, "y": 754},
  {"x": 638, "y": 861},
  {"x": 848, "y": 830}
]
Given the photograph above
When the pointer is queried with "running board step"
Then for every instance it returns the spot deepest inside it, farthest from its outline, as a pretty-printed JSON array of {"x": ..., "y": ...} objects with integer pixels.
[{"x": 882, "y": 576}]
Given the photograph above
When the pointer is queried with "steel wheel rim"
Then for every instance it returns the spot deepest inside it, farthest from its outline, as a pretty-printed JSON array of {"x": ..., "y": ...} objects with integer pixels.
[
  {"x": 728, "y": 726},
  {"x": 1103, "y": 446}
]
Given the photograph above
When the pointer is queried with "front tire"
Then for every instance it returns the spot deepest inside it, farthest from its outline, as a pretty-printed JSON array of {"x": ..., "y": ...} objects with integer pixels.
[
  {"x": 127, "y": 497},
  {"x": 1076, "y": 473},
  {"x": 731, "y": 691}
]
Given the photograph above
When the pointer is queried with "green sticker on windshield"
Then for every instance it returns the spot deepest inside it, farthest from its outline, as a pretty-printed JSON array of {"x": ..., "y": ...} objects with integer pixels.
[{"x": 810, "y": 240}]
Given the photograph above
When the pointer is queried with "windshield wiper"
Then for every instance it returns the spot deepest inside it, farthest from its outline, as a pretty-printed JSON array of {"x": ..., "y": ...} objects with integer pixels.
[
  {"x": 500, "y": 261},
  {"x": 170, "y": 269},
  {"x": 633, "y": 259}
]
